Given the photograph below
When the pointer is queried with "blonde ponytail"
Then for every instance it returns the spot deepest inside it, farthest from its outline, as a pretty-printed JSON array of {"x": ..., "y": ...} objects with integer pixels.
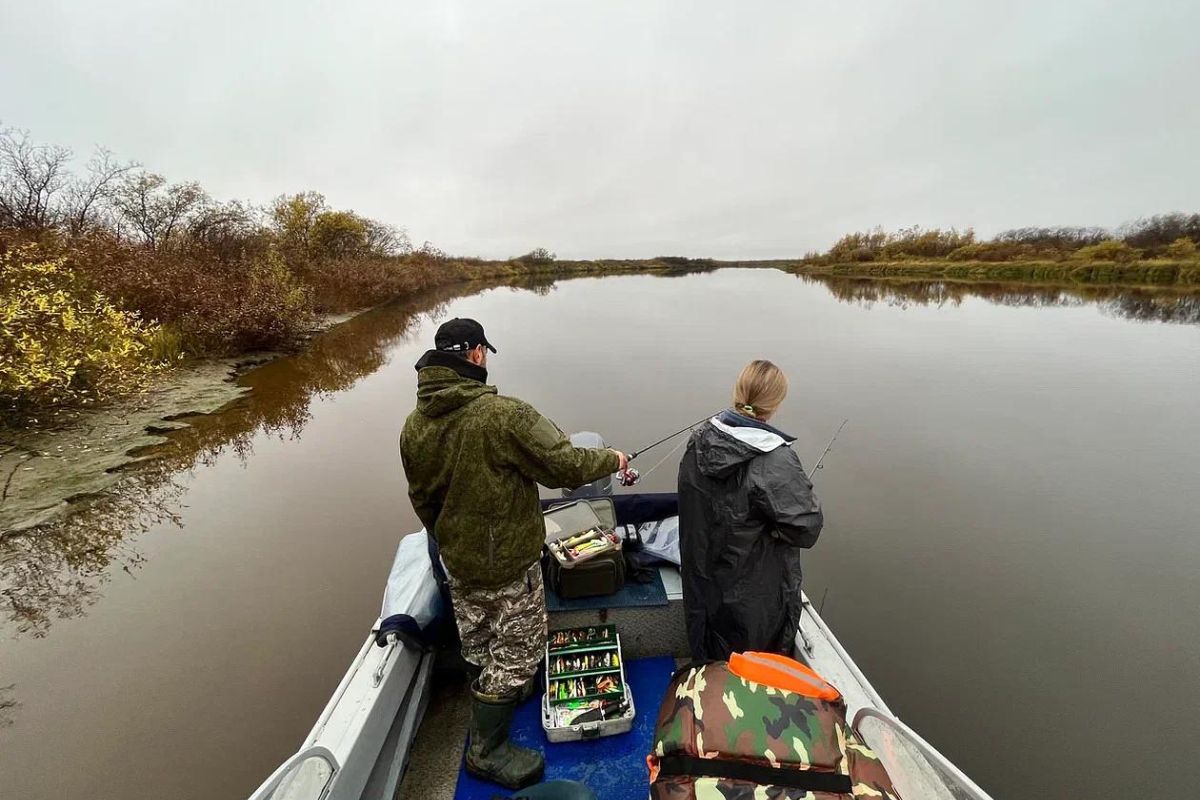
[{"x": 760, "y": 389}]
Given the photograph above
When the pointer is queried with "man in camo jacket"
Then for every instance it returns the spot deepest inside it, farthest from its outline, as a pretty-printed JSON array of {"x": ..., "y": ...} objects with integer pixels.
[{"x": 474, "y": 459}]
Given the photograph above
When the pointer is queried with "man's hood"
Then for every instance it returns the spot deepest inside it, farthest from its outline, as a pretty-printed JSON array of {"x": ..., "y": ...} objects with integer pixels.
[
  {"x": 446, "y": 382},
  {"x": 730, "y": 439}
]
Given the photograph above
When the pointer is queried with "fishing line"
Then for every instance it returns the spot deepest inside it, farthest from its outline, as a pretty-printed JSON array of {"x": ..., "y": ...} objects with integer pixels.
[{"x": 674, "y": 450}]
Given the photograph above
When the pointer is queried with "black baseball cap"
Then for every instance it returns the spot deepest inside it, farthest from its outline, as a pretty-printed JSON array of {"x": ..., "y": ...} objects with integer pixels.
[{"x": 460, "y": 335}]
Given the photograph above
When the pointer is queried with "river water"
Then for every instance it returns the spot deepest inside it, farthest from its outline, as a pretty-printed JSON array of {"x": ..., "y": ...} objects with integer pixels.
[{"x": 1010, "y": 550}]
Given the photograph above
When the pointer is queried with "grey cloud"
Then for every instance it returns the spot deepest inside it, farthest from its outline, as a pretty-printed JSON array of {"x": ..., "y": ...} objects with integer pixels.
[{"x": 633, "y": 129}]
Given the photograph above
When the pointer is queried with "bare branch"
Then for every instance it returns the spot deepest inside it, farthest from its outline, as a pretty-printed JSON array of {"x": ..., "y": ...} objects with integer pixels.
[
  {"x": 86, "y": 196},
  {"x": 31, "y": 177},
  {"x": 134, "y": 201}
]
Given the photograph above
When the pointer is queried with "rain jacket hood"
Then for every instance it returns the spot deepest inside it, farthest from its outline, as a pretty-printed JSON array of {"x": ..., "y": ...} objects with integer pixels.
[
  {"x": 474, "y": 459},
  {"x": 447, "y": 382},
  {"x": 743, "y": 439},
  {"x": 746, "y": 508}
]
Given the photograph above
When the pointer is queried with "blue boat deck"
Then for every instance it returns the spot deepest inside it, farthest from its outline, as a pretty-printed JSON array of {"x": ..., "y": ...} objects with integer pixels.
[
  {"x": 614, "y": 767},
  {"x": 649, "y": 618}
]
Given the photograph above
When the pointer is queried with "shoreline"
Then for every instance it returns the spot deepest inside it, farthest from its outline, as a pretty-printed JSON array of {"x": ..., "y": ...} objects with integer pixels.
[{"x": 1150, "y": 273}]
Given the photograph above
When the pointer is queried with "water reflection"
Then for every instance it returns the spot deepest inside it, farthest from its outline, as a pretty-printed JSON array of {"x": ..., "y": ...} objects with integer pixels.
[
  {"x": 8, "y": 706},
  {"x": 56, "y": 571},
  {"x": 1150, "y": 305}
]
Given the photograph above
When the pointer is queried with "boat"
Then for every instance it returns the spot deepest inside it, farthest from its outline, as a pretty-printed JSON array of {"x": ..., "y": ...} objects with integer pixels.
[{"x": 362, "y": 744}]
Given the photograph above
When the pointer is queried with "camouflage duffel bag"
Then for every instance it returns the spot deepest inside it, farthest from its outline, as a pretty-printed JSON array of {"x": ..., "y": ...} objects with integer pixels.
[{"x": 759, "y": 726}]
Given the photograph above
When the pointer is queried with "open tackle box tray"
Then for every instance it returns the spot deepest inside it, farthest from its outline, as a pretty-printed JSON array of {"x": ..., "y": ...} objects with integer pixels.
[
  {"x": 586, "y": 694},
  {"x": 580, "y": 531}
]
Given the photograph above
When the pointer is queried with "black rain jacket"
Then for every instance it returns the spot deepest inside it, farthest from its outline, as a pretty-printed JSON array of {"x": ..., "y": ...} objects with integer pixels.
[{"x": 745, "y": 510}]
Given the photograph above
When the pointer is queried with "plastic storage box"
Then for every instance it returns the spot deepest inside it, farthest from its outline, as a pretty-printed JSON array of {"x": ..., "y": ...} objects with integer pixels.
[{"x": 586, "y": 694}]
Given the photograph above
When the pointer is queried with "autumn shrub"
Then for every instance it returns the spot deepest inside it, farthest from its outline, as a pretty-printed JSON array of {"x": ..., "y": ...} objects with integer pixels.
[
  {"x": 223, "y": 308},
  {"x": 968, "y": 252},
  {"x": 1108, "y": 250},
  {"x": 272, "y": 307},
  {"x": 859, "y": 246},
  {"x": 917, "y": 242},
  {"x": 211, "y": 306},
  {"x": 166, "y": 344},
  {"x": 62, "y": 342},
  {"x": 349, "y": 283},
  {"x": 538, "y": 255},
  {"x": 993, "y": 252},
  {"x": 1181, "y": 248}
]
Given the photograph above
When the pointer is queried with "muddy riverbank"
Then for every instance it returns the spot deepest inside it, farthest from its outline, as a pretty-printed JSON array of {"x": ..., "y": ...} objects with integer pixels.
[{"x": 65, "y": 457}]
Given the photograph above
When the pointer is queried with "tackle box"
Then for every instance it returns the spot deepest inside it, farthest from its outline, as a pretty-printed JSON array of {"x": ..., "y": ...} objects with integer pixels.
[
  {"x": 585, "y": 675},
  {"x": 578, "y": 532},
  {"x": 585, "y": 552}
]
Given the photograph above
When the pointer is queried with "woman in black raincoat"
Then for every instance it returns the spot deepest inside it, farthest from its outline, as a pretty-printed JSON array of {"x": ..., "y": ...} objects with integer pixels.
[{"x": 746, "y": 508}]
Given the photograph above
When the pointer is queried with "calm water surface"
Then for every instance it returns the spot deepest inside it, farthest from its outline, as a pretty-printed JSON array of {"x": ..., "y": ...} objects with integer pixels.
[{"x": 1011, "y": 546}]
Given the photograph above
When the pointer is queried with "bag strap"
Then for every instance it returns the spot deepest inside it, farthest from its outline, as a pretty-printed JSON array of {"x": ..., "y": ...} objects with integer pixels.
[{"x": 803, "y": 779}]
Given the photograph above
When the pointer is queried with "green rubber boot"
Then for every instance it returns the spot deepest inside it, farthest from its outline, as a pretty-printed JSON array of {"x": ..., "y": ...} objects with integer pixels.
[{"x": 490, "y": 755}]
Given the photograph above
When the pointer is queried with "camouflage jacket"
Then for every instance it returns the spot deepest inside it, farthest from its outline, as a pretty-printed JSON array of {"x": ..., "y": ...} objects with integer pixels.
[
  {"x": 710, "y": 713},
  {"x": 473, "y": 460}
]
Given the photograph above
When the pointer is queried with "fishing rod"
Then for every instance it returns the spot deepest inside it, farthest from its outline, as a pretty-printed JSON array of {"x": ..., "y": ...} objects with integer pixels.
[
  {"x": 825, "y": 452},
  {"x": 630, "y": 476},
  {"x": 637, "y": 453}
]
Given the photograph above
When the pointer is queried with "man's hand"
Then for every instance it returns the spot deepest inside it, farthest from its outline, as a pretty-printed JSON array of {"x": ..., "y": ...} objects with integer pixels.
[{"x": 624, "y": 459}]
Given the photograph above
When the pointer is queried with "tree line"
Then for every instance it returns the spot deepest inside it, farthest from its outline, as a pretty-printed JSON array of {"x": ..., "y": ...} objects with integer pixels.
[
  {"x": 41, "y": 192},
  {"x": 1163, "y": 236}
]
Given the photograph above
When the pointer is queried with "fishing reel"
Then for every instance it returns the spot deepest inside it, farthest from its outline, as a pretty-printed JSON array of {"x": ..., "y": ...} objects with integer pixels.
[{"x": 629, "y": 477}]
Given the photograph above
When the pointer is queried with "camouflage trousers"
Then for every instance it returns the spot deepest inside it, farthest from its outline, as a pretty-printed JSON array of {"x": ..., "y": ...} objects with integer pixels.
[{"x": 503, "y": 630}]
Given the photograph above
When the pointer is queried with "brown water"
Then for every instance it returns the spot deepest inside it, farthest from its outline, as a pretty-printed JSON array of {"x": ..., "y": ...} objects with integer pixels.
[{"x": 1010, "y": 551}]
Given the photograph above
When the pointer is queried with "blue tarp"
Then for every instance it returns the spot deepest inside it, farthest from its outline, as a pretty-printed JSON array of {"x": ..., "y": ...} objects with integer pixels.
[{"x": 613, "y": 767}]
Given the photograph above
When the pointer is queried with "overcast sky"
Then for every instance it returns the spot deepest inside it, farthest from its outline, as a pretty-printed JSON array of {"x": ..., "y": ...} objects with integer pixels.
[{"x": 641, "y": 128}]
